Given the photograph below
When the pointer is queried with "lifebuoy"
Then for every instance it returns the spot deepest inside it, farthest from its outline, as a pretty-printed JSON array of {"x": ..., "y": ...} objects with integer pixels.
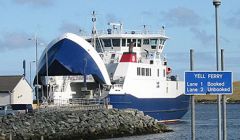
[{"x": 168, "y": 70}]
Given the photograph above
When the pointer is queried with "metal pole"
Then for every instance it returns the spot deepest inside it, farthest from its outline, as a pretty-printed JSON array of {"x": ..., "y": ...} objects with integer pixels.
[
  {"x": 30, "y": 75},
  {"x": 224, "y": 110},
  {"x": 47, "y": 70},
  {"x": 36, "y": 41},
  {"x": 192, "y": 100},
  {"x": 217, "y": 3},
  {"x": 24, "y": 68}
]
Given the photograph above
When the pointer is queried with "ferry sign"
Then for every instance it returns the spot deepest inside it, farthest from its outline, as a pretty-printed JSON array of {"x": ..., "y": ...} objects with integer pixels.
[{"x": 208, "y": 82}]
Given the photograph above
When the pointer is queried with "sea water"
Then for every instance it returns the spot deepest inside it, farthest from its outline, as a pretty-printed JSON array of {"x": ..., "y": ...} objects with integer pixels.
[{"x": 206, "y": 125}]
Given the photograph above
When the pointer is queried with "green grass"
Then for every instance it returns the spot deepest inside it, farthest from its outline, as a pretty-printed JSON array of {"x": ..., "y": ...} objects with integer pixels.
[{"x": 235, "y": 97}]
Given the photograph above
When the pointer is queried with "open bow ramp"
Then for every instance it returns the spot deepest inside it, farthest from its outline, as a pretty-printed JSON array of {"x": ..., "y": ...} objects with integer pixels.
[{"x": 72, "y": 55}]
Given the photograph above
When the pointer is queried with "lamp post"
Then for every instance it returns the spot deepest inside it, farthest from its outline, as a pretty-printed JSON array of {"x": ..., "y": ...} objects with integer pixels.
[
  {"x": 47, "y": 70},
  {"x": 30, "y": 75},
  {"x": 36, "y": 44},
  {"x": 36, "y": 62},
  {"x": 217, "y": 3}
]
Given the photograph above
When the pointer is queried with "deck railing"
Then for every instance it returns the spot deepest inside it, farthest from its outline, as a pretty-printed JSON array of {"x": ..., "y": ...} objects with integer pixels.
[{"x": 77, "y": 104}]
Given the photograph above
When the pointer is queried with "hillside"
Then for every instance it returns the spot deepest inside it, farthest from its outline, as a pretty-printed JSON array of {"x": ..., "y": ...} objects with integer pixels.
[{"x": 234, "y": 98}]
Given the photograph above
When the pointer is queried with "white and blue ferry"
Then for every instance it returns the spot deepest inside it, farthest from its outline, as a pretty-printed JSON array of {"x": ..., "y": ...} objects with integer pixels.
[{"x": 131, "y": 64}]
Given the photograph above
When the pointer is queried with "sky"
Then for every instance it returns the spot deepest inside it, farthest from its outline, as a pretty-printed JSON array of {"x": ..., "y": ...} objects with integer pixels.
[{"x": 189, "y": 24}]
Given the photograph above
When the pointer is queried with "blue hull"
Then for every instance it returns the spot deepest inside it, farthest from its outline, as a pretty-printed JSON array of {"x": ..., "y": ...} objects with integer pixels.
[{"x": 158, "y": 108}]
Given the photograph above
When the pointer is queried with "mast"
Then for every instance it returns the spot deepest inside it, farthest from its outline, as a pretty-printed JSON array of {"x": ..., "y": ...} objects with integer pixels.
[{"x": 94, "y": 30}]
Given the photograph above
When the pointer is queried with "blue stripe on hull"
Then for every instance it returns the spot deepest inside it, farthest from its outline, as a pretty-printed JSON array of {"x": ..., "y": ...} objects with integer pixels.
[{"x": 158, "y": 108}]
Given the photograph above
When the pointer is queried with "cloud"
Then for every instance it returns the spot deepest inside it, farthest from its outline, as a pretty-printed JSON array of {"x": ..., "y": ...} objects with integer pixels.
[
  {"x": 233, "y": 21},
  {"x": 38, "y": 3},
  {"x": 71, "y": 28},
  {"x": 180, "y": 62},
  {"x": 16, "y": 40},
  {"x": 207, "y": 39},
  {"x": 182, "y": 17},
  {"x": 204, "y": 38}
]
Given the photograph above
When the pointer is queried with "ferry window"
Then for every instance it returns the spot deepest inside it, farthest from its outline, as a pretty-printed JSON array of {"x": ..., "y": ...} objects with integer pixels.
[
  {"x": 128, "y": 42},
  {"x": 146, "y": 42},
  {"x": 163, "y": 42},
  {"x": 143, "y": 71},
  {"x": 138, "y": 71},
  {"x": 153, "y": 41},
  {"x": 134, "y": 42},
  {"x": 116, "y": 42},
  {"x": 164, "y": 72},
  {"x": 147, "y": 71},
  {"x": 98, "y": 45},
  {"x": 107, "y": 42},
  {"x": 158, "y": 72},
  {"x": 150, "y": 72},
  {"x": 153, "y": 46},
  {"x": 124, "y": 42},
  {"x": 139, "y": 42}
]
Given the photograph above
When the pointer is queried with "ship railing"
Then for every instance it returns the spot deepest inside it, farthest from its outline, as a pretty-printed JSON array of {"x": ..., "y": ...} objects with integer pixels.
[
  {"x": 85, "y": 101},
  {"x": 78, "y": 104},
  {"x": 160, "y": 32}
]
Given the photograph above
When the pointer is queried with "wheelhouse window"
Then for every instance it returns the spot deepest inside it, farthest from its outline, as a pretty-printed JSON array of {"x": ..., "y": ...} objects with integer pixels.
[
  {"x": 123, "y": 42},
  {"x": 162, "y": 41},
  {"x": 134, "y": 42},
  {"x": 153, "y": 43},
  {"x": 139, "y": 42},
  {"x": 116, "y": 42},
  {"x": 98, "y": 45},
  {"x": 145, "y": 41},
  {"x": 128, "y": 42},
  {"x": 107, "y": 42}
]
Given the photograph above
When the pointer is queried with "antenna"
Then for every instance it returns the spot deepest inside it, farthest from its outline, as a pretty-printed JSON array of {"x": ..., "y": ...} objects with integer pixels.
[
  {"x": 163, "y": 30},
  {"x": 94, "y": 29}
]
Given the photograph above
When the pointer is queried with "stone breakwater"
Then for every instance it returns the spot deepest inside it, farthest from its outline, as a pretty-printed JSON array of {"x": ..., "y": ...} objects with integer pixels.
[{"x": 79, "y": 124}]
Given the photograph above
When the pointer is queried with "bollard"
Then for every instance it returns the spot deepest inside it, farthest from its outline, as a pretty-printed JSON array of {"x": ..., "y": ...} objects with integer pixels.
[{"x": 10, "y": 136}]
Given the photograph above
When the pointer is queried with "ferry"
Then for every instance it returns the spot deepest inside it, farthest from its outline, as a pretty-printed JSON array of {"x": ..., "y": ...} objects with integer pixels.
[{"x": 127, "y": 68}]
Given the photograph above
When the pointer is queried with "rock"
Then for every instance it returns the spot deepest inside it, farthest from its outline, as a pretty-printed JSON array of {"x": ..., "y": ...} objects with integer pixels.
[
  {"x": 79, "y": 124},
  {"x": 27, "y": 123}
]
